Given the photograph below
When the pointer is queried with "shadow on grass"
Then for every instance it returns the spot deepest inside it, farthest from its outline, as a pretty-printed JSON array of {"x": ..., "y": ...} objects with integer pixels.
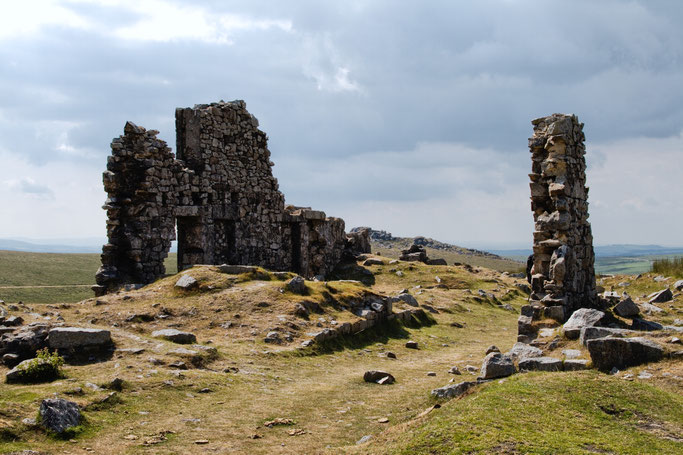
[
  {"x": 353, "y": 271},
  {"x": 380, "y": 333}
]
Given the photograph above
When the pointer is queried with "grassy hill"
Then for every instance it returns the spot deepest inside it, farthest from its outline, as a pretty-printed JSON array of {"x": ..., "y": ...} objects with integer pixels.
[{"x": 225, "y": 402}]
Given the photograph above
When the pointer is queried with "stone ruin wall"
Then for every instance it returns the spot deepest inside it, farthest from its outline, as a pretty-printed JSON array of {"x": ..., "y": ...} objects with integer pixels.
[
  {"x": 563, "y": 275},
  {"x": 220, "y": 192}
]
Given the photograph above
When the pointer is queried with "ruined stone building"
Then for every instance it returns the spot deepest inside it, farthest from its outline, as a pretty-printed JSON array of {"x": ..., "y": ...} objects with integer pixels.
[
  {"x": 220, "y": 193},
  {"x": 563, "y": 274}
]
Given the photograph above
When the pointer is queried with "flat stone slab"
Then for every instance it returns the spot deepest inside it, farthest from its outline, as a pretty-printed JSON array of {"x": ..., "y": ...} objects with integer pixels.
[
  {"x": 540, "y": 364},
  {"x": 522, "y": 351},
  {"x": 453, "y": 390},
  {"x": 607, "y": 353},
  {"x": 77, "y": 337},
  {"x": 591, "y": 333},
  {"x": 583, "y": 317},
  {"x": 236, "y": 269},
  {"x": 175, "y": 336}
]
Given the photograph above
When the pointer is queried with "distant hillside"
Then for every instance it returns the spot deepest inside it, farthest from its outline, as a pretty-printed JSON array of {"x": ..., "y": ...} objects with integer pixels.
[
  {"x": 385, "y": 244},
  {"x": 21, "y": 245},
  {"x": 607, "y": 251}
]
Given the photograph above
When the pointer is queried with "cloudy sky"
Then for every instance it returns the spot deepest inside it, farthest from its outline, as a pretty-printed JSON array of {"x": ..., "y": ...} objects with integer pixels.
[{"x": 408, "y": 116}]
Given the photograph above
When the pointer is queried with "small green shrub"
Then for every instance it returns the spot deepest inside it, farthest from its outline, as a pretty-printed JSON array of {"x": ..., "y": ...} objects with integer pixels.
[
  {"x": 668, "y": 266},
  {"x": 44, "y": 368}
]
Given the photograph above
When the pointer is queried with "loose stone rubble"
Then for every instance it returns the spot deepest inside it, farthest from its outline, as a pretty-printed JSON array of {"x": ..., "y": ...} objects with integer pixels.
[{"x": 220, "y": 192}]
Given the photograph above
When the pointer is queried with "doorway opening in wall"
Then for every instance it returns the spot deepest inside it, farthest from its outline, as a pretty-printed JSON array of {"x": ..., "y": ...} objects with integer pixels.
[
  {"x": 190, "y": 242},
  {"x": 225, "y": 242},
  {"x": 296, "y": 248}
]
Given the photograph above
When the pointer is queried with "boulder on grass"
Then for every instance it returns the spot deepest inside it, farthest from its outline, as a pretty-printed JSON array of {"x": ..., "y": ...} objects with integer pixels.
[
  {"x": 607, "y": 353},
  {"x": 496, "y": 365},
  {"x": 662, "y": 296},
  {"x": 626, "y": 308},
  {"x": 176, "y": 336},
  {"x": 297, "y": 285},
  {"x": 591, "y": 333},
  {"x": 186, "y": 282},
  {"x": 378, "y": 377},
  {"x": 583, "y": 317},
  {"x": 59, "y": 415}
]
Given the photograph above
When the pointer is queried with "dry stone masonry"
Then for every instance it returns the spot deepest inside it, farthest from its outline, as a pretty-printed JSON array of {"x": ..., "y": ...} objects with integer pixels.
[
  {"x": 563, "y": 275},
  {"x": 220, "y": 193}
]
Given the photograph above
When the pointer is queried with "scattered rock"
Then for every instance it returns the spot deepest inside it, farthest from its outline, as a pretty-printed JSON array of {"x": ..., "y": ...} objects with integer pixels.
[
  {"x": 453, "y": 390},
  {"x": 649, "y": 308},
  {"x": 678, "y": 285},
  {"x": 607, "y": 353},
  {"x": 523, "y": 351},
  {"x": 662, "y": 296},
  {"x": 13, "y": 321},
  {"x": 540, "y": 364},
  {"x": 431, "y": 373},
  {"x": 364, "y": 439},
  {"x": 492, "y": 348},
  {"x": 278, "y": 421},
  {"x": 575, "y": 365},
  {"x": 273, "y": 337},
  {"x": 73, "y": 338},
  {"x": 523, "y": 287},
  {"x": 571, "y": 353},
  {"x": 626, "y": 308},
  {"x": 412, "y": 345},
  {"x": 297, "y": 285},
  {"x": 59, "y": 415},
  {"x": 644, "y": 325},
  {"x": 497, "y": 365},
  {"x": 186, "y": 282},
  {"x": 409, "y": 299},
  {"x": 390, "y": 355},
  {"x": 379, "y": 377},
  {"x": 591, "y": 333},
  {"x": 236, "y": 269},
  {"x": 583, "y": 317},
  {"x": 454, "y": 370},
  {"x": 11, "y": 360},
  {"x": 115, "y": 384},
  {"x": 32, "y": 371},
  {"x": 373, "y": 261},
  {"x": 25, "y": 341},
  {"x": 176, "y": 336},
  {"x": 660, "y": 278}
]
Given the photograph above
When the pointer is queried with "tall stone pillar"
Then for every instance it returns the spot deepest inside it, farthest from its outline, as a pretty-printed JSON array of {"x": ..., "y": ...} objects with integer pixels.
[{"x": 563, "y": 274}]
